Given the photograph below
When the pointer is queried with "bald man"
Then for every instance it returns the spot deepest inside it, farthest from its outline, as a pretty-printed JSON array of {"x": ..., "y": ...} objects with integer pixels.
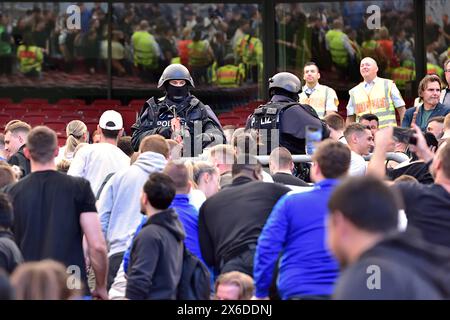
[{"x": 375, "y": 95}]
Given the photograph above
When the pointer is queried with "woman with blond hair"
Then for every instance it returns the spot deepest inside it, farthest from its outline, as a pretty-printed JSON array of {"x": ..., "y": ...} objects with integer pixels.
[
  {"x": 43, "y": 280},
  {"x": 76, "y": 132}
]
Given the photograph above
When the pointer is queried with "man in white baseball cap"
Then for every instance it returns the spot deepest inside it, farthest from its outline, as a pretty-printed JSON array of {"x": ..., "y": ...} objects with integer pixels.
[
  {"x": 99, "y": 161},
  {"x": 111, "y": 120}
]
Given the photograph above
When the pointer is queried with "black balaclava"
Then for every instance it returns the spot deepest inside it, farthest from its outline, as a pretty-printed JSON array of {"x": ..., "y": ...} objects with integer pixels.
[
  {"x": 282, "y": 92},
  {"x": 177, "y": 94}
]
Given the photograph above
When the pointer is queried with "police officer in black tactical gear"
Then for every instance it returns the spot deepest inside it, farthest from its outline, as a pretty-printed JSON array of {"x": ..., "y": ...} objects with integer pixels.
[
  {"x": 178, "y": 115},
  {"x": 284, "y": 113}
]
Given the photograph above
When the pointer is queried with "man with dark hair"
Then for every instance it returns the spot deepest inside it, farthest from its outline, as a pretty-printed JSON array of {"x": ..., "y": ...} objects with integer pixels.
[
  {"x": 124, "y": 144},
  {"x": 360, "y": 141},
  {"x": 10, "y": 255},
  {"x": 321, "y": 97},
  {"x": 231, "y": 220},
  {"x": 427, "y": 207},
  {"x": 436, "y": 126},
  {"x": 281, "y": 166},
  {"x": 156, "y": 260},
  {"x": 52, "y": 212},
  {"x": 296, "y": 227},
  {"x": 95, "y": 162},
  {"x": 370, "y": 121},
  {"x": 336, "y": 124},
  {"x": 15, "y": 138},
  {"x": 380, "y": 263},
  {"x": 118, "y": 205}
]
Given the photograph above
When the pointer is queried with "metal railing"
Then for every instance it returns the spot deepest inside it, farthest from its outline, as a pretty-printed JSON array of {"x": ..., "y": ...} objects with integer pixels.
[{"x": 264, "y": 160}]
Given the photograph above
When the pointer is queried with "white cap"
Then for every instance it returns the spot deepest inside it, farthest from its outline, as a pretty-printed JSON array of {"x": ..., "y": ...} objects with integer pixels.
[{"x": 111, "y": 120}]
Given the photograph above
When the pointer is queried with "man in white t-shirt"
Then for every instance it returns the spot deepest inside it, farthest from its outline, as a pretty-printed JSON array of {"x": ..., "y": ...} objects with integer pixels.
[
  {"x": 97, "y": 161},
  {"x": 360, "y": 142}
]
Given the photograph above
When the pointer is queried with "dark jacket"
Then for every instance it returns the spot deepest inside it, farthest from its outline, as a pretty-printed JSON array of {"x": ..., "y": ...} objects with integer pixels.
[
  {"x": 439, "y": 110},
  {"x": 21, "y": 161},
  {"x": 155, "y": 118},
  {"x": 408, "y": 268},
  {"x": 233, "y": 219},
  {"x": 289, "y": 179},
  {"x": 10, "y": 255},
  {"x": 292, "y": 124},
  {"x": 156, "y": 259}
]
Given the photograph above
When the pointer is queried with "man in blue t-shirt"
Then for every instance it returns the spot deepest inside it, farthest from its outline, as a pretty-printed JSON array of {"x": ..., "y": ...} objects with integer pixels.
[{"x": 296, "y": 227}]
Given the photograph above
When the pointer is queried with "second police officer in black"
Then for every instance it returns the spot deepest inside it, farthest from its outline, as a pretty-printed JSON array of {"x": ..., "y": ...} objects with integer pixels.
[
  {"x": 178, "y": 115},
  {"x": 286, "y": 115}
]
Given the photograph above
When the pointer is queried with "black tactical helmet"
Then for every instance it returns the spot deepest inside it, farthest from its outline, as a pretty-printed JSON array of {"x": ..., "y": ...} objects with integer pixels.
[
  {"x": 286, "y": 81},
  {"x": 175, "y": 71}
]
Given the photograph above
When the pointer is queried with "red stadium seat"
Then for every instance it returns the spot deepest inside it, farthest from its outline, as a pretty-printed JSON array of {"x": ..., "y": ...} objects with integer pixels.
[
  {"x": 4, "y": 101},
  {"x": 89, "y": 112},
  {"x": 57, "y": 125},
  {"x": 34, "y": 101},
  {"x": 106, "y": 103},
  {"x": 71, "y": 102},
  {"x": 61, "y": 141},
  {"x": 128, "y": 116},
  {"x": 229, "y": 120},
  {"x": 4, "y": 119},
  {"x": 34, "y": 120},
  {"x": 51, "y": 113},
  {"x": 137, "y": 104}
]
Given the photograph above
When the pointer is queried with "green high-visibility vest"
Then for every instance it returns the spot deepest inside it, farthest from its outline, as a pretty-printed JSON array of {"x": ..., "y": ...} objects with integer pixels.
[
  {"x": 198, "y": 53},
  {"x": 144, "y": 49},
  {"x": 338, "y": 52}
]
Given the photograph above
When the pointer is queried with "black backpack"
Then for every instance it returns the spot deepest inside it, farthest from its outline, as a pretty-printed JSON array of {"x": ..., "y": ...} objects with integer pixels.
[{"x": 195, "y": 279}]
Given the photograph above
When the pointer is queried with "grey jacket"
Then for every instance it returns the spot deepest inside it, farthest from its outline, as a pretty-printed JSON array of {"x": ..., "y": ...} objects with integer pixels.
[{"x": 119, "y": 204}]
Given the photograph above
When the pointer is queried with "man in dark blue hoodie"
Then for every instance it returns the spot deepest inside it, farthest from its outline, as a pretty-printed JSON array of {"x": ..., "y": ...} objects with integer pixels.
[{"x": 156, "y": 260}]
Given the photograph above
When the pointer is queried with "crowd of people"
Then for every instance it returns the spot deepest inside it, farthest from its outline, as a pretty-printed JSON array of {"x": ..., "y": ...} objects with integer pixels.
[
  {"x": 220, "y": 43},
  {"x": 116, "y": 218}
]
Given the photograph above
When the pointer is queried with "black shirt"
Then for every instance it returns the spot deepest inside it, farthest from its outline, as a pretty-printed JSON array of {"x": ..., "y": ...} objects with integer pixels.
[
  {"x": 10, "y": 255},
  {"x": 21, "y": 161},
  {"x": 47, "y": 207},
  {"x": 427, "y": 208},
  {"x": 234, "y": 217},
  {"x": 408, "y": 268},
  {"x": 418, "y": 170},
  {"x": 288, "y": 179}
]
